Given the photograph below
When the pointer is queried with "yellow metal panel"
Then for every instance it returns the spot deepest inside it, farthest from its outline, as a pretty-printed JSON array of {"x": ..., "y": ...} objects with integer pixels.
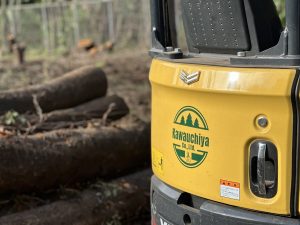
[{"x": 226, "y": 103}]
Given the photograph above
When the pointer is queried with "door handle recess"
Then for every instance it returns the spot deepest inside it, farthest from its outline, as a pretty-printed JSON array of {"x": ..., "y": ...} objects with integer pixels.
[{"x": 263, "y": 169}]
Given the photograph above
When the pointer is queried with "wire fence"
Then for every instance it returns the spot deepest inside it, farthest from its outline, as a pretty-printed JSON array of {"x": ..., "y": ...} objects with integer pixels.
[
  {"x": 55, "y": 26},
  {"x": 59, "y": 26}
]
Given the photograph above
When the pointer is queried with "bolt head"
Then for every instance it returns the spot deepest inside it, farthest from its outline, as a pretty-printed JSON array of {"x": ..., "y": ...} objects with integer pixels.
[
  {"x": 178, "y": 50},
  {"x": 169, "y": 49},
  {"x": 241, "y": 54},
  {"x": 263, "y": 121}
]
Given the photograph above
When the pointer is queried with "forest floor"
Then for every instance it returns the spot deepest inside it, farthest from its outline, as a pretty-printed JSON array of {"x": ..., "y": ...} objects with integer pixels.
[{"x": 127, "y": 74}]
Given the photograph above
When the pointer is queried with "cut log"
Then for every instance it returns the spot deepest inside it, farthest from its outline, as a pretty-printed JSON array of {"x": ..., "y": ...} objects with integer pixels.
[
  {"x": 92, "y": 207},
  {"x": 51, "y": 126},
  {"x": 70, "y": 90},
  {"x": 107, "y": 108},
  {"x": 86, "y": 44},
  {"x": 93, "y": 109},
  {"x": 41, "y": 161}
]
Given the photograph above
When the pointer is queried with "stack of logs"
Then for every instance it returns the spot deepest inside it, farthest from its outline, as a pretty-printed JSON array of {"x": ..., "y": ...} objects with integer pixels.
[
  {"x": 92, "y": 48},
  {"x": 57, "y": 143}
]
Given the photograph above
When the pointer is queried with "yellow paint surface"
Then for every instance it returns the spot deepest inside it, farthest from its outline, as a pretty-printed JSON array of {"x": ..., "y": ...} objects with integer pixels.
[{"x": 230, "y": 100}]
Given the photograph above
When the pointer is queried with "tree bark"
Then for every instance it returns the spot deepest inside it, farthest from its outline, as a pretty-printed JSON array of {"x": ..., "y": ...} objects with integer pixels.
[
  {"x": 106, "y": 108},
  {"x": 11, "y": 42},
  {"x": 103, "y": 110},
  {"x": 92, "y": 207},
  {"x": 92, "y": 109},
  {"x": 20, "y": 51},
  {"x": 72, "y": 89},
  {"x": 41, "y": 161}
]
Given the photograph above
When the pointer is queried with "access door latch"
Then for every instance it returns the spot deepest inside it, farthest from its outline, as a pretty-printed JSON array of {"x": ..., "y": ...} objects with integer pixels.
[{"x": 263, "y": 171}]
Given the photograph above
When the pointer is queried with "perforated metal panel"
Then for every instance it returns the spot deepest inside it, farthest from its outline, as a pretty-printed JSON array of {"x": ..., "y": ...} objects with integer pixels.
[{"x": 216, "y": 26}]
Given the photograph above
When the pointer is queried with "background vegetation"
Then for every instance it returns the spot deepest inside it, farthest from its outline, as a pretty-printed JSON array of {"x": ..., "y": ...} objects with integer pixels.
[{"x": 281, "y": 9}]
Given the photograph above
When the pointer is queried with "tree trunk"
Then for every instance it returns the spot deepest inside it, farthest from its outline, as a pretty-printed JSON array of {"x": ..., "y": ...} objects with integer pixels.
[
  {"x": 11, "y": 42},
  {"x": 92, "y": 109},
  {"x": 92, "y": 207},
  {"x": 41, "y": 161},
  {"x": 20, "y": 51},
  {"x": 72, "y": 89},
  {"x": 107, "y": 108}
]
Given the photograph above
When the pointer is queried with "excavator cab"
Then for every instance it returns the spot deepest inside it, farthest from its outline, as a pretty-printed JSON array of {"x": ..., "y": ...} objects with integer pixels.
[{"x": 225, "y": 113}]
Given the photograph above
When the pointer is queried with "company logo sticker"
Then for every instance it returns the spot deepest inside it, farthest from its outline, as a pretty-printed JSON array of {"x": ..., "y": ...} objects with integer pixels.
[{"x": 190, "y": 142}]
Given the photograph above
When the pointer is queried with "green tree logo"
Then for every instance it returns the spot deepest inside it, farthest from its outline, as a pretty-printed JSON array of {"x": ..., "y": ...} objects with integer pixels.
[
  {"x": 182, "y": 122},
  {"x": 190, "y": 117},
  {"x": 189, "y": 121},
  {"x": 196, "y": 123}
]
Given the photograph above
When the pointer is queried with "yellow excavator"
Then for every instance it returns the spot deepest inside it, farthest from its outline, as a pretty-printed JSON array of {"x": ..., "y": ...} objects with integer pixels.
[{"x": 225, "y": 114}]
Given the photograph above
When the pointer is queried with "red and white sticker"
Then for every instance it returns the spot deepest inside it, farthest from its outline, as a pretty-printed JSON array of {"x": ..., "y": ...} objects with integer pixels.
[{"x": 229, "y": 189}]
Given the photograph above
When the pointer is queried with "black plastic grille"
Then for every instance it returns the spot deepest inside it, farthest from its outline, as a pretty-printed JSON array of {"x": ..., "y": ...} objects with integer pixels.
[{"x": 217, "y": 26}]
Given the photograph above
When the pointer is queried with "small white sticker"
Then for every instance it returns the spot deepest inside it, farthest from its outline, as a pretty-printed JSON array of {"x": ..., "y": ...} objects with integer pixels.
[
  {"x": 163, "y": 221},
  {"x": 230, "y": 189}
]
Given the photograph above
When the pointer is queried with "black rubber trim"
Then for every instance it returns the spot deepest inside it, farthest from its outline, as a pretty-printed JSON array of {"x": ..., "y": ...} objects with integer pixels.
[
  {"x": 221, "y": 60},
  {"x": 295, "y": 147},
  {"x": 166, "y": 206}
]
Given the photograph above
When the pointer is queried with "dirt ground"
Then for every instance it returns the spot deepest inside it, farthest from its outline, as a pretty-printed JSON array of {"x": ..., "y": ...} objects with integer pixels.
[{"x": 127, "y": 74}]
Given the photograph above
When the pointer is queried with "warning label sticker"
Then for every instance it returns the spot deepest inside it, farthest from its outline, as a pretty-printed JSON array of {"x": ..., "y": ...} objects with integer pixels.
[
  {"x": 229, "y": 189},
  {"x": 157, "y": 161}
]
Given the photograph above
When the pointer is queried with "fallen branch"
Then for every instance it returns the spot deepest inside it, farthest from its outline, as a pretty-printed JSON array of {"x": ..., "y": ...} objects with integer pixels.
[
  {"x": 117, "y": 203},
  {"x": 70, "y": 90},
  {"x": 108, "y": 112},
  {"x": 41, "y": 161},
  {"x": 38, "y": 109}
]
